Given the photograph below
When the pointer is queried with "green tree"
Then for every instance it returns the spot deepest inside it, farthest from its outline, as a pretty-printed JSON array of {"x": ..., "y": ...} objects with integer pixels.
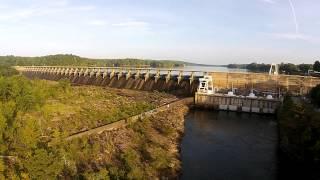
[
  {"x": 133, "y": 165},
  {"x": 7, "y": 71},
  {"x": 288, "y": 68},
  {"x": 315, "y": 95},
  {"x": 101, "y": 175},
  {"x": 305, "y": 67},
  {"x": 44, "y": 164},
  {"x": 316, "y": 66}
]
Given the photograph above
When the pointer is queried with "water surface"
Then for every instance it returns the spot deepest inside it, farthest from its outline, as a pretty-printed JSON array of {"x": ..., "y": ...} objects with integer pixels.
[{"x": 226, "y": 145}]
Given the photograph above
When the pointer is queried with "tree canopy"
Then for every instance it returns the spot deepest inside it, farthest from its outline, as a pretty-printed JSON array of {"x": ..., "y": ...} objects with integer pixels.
[
  {"x": 316, "y": 66},
  {"x": 284, "y": 68}
]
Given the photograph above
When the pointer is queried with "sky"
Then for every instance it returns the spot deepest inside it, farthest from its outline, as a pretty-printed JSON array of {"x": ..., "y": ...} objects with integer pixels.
[{"x": 199, "y": 31}]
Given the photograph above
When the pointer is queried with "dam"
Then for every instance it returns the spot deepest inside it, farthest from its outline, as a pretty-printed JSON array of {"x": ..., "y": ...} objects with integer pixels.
[
  {"x": 178, "y": 82},
  {"x": 230, "y": 91},
  {"x": 216, "y": 144}
]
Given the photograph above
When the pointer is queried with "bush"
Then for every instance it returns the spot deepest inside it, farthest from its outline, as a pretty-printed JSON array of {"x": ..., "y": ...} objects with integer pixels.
[
  {"x": 133, "y": 164},
  {"x": 316, "y": 66},
  {"x": 299, "y": 131},
  {"x": 7, "y": 71},
  {"x": 64, "y": 84},
  {"x": 315, "y": 95}
]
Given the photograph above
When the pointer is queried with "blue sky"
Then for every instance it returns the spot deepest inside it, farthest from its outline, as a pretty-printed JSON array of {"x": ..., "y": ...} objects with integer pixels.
[{"x": 201, "y": 31}]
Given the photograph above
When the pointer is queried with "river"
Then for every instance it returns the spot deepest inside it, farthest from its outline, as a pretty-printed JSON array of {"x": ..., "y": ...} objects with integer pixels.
[{"x": 227, "y": 145}]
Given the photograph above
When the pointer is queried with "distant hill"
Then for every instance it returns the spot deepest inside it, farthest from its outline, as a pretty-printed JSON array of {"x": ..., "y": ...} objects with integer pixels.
[
  {"x": 208, "y": 65},
  {"x": 284, "y": 68},
  {"x": 73, "y": 60}
]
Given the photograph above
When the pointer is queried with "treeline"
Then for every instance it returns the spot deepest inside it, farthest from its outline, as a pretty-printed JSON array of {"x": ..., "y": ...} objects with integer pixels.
[
  {"x": 72, "y": 60},
  {"x": 284, "y": 68}
]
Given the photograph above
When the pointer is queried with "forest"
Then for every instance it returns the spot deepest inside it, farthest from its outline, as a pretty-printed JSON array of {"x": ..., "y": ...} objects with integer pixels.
[
  {"x": 72, "y": 60},
  {"x": 284, "y": 68}
]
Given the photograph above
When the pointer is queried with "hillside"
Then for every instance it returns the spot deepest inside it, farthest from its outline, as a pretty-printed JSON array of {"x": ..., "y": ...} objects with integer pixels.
[
  {"x": 36, "y": 117},
  {"x": 72, "y": 60}
]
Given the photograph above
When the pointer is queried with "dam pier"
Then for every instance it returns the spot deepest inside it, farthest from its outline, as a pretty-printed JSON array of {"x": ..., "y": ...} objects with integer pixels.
[{"x": 229, "y": 91}]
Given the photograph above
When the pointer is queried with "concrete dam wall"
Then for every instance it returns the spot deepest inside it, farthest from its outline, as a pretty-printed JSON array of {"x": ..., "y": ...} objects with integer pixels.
[
  {"x": 182, "y": 87},
  {"x": 297, "y": 85},
  {"x": 175, "y": 81}
]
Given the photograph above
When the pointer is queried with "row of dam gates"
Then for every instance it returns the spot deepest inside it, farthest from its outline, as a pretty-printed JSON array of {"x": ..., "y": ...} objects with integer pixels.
[
  {"x": 178, "y": 82},
  {"x": 175, "y": 81}
]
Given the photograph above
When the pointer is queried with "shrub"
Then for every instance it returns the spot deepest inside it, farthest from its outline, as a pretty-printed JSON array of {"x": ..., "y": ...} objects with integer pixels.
[
  {"x": 64, "y": 84},
  {"x": 7, "y": 71},
  {"x": 315, "y": 95}
]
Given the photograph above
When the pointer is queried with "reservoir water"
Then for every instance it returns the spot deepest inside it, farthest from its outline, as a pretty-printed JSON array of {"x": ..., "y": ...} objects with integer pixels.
[{"x": 226, "y": 145}]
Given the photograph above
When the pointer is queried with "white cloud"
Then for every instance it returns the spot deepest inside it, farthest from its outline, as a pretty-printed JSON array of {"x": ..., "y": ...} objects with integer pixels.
[
  {"x": 294, "y": 36},
  {"x": 269, "y": 1},
  {"x": 2, "y": 6},
  {"x": 83, "y": 8},
  {"x": 132, "y": 24},
  {"x": 61, "y": 2},
  {"x": 17, "y": 14},
  {"x": 98, "y": 23}
]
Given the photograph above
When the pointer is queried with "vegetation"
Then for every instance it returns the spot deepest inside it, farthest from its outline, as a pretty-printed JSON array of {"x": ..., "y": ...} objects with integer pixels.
[
  {"x": 284, "y": 68},
  {"x": 300, "y": 131},
  {"x": 315, "y": 95},
  {"x": 19, "y": 138},
  {"x": 146, "y": 149},
  {"x": 7, "y": 71},
  {"x": 299, "y": 127},
  {"x": 316, "y": 66},
  {"x": 87, "y": 107},
  {"x": 36, "y": 117},
  {"x": 72, "y": 60}
]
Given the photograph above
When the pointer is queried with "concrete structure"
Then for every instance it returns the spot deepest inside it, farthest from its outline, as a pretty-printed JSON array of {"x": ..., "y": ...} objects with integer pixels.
[
  {"x": 237, "y": 103},
  {"x": 274, "y": 69},
  {"x": 128, "y": 72},
  {"x": 206, "y": 85},
  {"x": 206, "y": 97},
  {"x": 174, "y": 81},
  {"x": 261, "y": 82},
  {"x": 297, "y": 85}
]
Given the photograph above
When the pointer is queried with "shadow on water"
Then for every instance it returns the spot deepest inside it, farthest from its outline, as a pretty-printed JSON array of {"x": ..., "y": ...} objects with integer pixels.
[{"x": 227, "y": 145}]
